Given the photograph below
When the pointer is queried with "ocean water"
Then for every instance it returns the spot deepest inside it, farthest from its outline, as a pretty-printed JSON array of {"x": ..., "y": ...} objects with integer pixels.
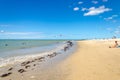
[
  {"x": 12, "y": 51},
  {"x": 8, "y": 45}
]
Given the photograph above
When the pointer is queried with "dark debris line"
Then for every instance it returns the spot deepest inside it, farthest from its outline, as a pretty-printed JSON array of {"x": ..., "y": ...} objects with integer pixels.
[{"x": 27, "y": 65}]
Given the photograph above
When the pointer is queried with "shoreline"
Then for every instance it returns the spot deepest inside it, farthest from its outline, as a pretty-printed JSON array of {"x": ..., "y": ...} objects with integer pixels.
[
  {"x": 45, "y": 60},
  {"x": 92, "y": 60},
  {"x": 59, "y": 48}
]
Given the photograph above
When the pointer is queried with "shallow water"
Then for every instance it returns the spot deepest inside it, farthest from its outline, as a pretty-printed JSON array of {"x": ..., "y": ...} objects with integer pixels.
[
  {"x": 9, "y": 44},
  {"x": 18, "y": 50},
  {"x": 48, "y": 69}
]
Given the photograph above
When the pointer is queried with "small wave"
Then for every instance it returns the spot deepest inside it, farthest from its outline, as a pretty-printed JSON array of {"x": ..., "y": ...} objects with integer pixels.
[{"x": 12, "y": 60}]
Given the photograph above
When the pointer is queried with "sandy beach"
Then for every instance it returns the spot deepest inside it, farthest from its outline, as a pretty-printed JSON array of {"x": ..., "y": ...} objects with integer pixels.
[
  {"x": 59, "y": 40},
  {"x": 93, "y": 60}
]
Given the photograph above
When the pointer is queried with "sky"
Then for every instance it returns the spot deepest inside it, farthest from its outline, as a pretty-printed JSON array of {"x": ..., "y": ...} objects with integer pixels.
[{"x": 59, "y": 19}]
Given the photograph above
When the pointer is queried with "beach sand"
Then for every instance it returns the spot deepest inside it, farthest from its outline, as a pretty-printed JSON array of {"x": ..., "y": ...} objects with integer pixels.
[{"x": 93, "y": 60}]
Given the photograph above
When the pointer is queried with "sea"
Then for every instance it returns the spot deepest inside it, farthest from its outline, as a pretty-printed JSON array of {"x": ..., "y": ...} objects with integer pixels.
[{"x": 16, "y": 50}]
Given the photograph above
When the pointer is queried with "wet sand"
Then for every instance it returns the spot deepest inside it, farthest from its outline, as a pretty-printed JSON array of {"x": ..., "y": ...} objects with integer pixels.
[
  {"x": 37, "y": 68},
  {"x": 93, "y": 60}
]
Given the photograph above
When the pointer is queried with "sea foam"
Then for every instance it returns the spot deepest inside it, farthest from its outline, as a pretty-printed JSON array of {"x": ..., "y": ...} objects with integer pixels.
[{"x": 12, "y": 60}]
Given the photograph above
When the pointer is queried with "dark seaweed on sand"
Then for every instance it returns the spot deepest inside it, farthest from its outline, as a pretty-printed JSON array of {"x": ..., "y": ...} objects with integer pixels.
[
  {"x": 21, "y": 70},
  {"x": 10, "y": 69},
  {"x": 6, "y": 74}
]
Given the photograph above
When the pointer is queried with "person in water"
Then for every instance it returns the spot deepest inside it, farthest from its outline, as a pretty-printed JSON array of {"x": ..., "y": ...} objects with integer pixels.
[{"x": 116, "y": 45}]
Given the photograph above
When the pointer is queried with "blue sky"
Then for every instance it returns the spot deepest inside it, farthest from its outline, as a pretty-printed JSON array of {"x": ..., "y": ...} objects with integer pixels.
[{"x": 59, "y": 19}]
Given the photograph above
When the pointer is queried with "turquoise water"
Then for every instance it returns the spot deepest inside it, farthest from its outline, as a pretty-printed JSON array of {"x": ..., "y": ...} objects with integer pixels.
[
  {"x": 12, "y": 51},
  {"x": 9, "y": 45}
]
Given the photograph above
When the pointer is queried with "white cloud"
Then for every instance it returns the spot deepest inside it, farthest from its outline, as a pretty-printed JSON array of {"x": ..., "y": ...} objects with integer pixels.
[
  {"x": 114, "y": 21},
  {"x": 95, "y": 2},
  {"x": 117, "y": 30},
  {"x": 105, "y": 0},
  {"x": 1, "y": 31},
  {"x": 4, "y": 25},
  {"x": 84, "y": 9},
  {"x": 76, "y": 8},
  {"x": 96, "y": 11},
  {"x": 109, "y": 29},
  {"x": 111, "y": 17},
  {"x": 18, "y": 33},
  {"x": 80, "y": 2}
]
